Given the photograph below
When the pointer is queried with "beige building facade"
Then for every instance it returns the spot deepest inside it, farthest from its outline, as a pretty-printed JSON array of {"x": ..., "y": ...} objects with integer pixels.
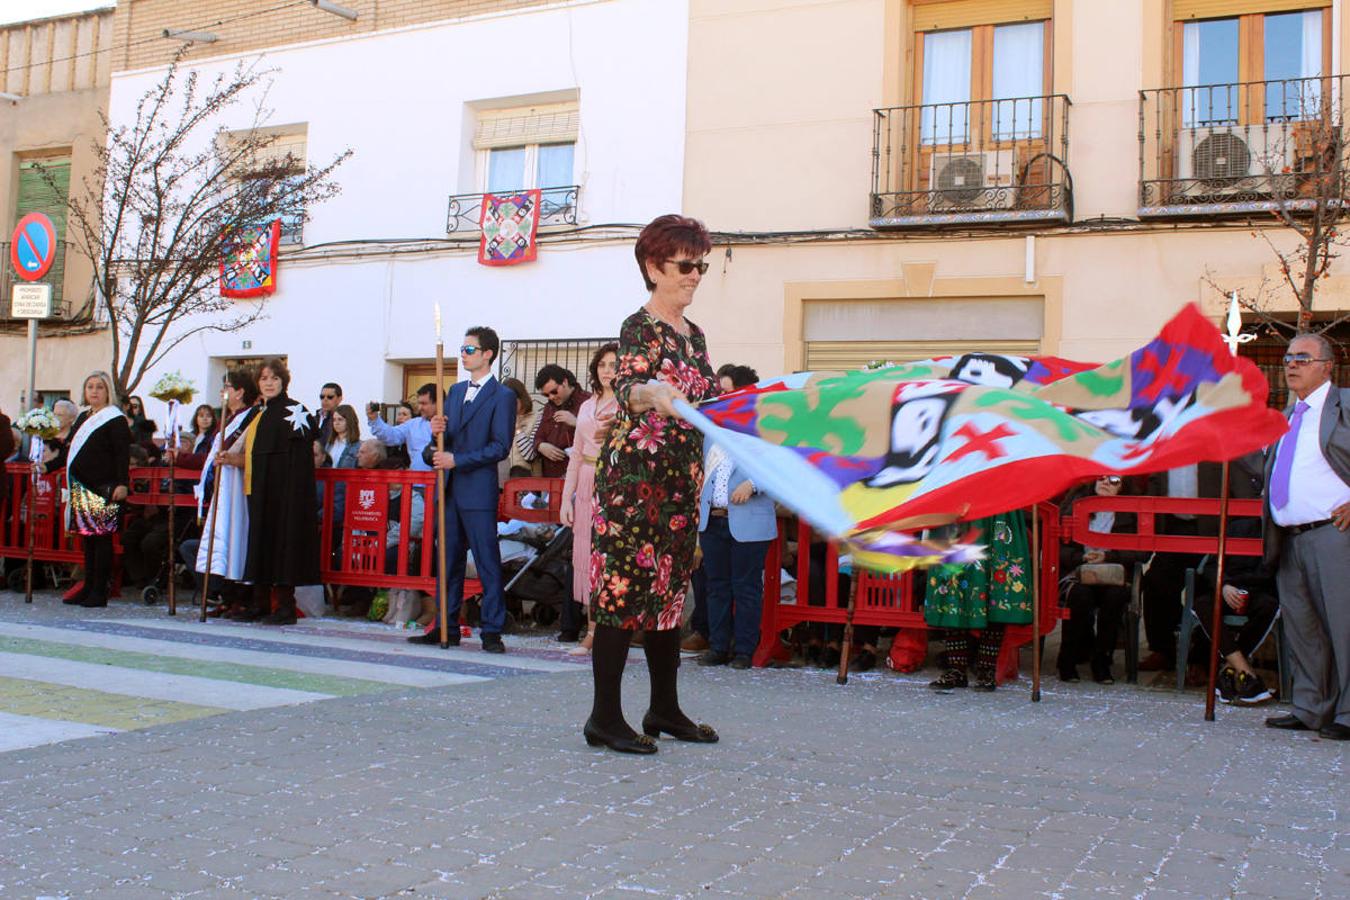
[
  {"x": 895, "y": 178},
  {"x": 59, "y": 69}
]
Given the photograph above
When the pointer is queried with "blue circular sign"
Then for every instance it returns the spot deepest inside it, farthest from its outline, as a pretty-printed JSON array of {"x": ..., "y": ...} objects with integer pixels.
[{"x": 33, "y": 248}]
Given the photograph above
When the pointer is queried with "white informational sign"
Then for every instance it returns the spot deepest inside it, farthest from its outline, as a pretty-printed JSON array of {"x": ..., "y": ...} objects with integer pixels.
[{"x": 32, "y": 301}]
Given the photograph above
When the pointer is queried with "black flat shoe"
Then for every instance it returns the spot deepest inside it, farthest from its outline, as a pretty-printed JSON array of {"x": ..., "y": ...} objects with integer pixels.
[
  {"x": 638, "y": 744},
  {"x": 950, "y": 679},
  {"x": 1334, "y": 732},
  {"x": 492, "y": 643},
  {"x": 653, "y": 725},
  {"x": 1287, "y": 722},
  {"x": 433, "y": 638},
  {"x": 93, "y": 601}
]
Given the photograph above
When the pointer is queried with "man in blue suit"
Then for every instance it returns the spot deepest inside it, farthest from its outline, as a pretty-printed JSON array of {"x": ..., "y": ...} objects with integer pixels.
[
  {"x": 736, "y": 525},
  {"x": 478, "y": 422}
]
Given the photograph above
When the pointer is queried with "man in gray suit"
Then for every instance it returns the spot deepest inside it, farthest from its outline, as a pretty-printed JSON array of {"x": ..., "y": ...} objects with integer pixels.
[{"x": 1307, "y": 539}]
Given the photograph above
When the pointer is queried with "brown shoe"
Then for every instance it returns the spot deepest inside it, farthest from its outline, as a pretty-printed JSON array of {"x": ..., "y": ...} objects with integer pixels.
[
  {"x": 695, "y": 643},
  {"x": 1155, "y": 662}
]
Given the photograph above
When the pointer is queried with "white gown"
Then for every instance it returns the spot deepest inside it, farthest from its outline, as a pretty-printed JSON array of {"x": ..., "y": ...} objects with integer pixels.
[{"x": 229, "y": 551}]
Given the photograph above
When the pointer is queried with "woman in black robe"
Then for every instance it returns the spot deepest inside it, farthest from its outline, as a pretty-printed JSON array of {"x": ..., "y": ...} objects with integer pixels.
[{"x": 283, "y": 534}]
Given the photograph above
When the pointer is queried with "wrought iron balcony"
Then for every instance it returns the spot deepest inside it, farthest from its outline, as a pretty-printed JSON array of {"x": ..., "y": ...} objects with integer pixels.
[
  {"x": 558, "y": 207},
  {"x": 1236, "y": 149},
  {"x": 970, "y": 163}
]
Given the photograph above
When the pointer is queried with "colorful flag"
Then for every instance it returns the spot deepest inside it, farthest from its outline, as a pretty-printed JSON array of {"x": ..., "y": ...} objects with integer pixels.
[
  {"x": 510, "y": 224},
  {"x": 867, "y": 456},
  {"x": 248, "y": 267}
]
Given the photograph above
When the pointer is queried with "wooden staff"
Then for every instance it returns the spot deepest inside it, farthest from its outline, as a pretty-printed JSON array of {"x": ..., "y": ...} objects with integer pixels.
[
  {"x": 1216, "y": 620},
  {"x": 1035, "y": 604},
  {"x": 32, "y": 525},
  {"x": 173, "y": 593},
  {"x": 440, "y": 492},
  {"x": 215, "y": 510},
  {"x": 847, "y": 647}
]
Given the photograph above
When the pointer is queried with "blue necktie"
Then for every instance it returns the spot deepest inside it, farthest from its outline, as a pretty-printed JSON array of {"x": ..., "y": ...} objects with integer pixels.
[{"x": 1284, "y": 459}]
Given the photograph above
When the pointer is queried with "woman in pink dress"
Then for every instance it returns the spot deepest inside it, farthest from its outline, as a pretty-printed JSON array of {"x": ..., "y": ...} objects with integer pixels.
[{"x": 594, "y": 416}]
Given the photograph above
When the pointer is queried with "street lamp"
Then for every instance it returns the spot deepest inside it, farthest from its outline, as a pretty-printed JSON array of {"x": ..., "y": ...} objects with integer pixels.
[
  {"x": 329, "y": 7},
  {"x": 191, "y": 37}
]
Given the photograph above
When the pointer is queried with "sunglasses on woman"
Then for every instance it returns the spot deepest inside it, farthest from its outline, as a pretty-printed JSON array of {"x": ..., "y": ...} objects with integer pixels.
[
  {"x": 686, "y": 266},
  {"x": 1110, "y": 479}
]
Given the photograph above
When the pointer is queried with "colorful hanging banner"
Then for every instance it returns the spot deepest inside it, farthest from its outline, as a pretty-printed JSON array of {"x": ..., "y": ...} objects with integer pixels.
[
  {"x": 510, "y": 225},
  {"x": 248, "y": 266}
]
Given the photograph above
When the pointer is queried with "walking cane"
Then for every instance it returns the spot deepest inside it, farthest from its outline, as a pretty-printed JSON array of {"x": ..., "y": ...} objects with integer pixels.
[
  {"x": 1035, "y": 604},
  {"x": 440, "y": 489},
  {"x": 215, "y": 510},
  {"x": 847, "y": 647}
]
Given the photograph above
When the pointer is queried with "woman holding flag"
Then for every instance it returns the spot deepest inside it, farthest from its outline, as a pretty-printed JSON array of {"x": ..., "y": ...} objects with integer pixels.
[{"x": 647, "y": 478}]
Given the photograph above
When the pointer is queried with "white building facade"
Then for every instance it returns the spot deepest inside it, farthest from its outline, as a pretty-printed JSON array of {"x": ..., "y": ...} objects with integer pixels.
[{"x": 585, "y": 100}]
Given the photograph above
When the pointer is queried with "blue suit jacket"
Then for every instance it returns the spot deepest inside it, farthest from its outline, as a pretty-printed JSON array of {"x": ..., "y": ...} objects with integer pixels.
[
  {"x": 479, "y": 434},
  {"x": 752, "y": 520}
]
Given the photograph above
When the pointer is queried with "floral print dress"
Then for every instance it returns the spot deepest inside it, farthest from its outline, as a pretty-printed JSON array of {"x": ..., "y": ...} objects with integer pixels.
[
  {"x": 993, "y": 591},
  {"x": 644, "y": 527}
]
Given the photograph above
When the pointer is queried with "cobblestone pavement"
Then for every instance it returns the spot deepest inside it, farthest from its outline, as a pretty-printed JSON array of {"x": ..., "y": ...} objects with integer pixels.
[{"x": 482, "y": 786}]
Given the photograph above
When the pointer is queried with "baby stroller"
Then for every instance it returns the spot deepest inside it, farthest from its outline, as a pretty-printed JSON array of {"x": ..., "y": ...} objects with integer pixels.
[{"x": 542, "y": 579}]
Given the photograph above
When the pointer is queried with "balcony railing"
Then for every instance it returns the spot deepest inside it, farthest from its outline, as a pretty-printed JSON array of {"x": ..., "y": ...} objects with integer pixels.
[
  {"x": 558, "y": 207},
  {"x": 970, "y": 163},
  {"x": 1235, "y": 149}
]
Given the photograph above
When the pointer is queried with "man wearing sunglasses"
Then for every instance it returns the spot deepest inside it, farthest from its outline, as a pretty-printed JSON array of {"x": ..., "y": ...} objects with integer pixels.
[
  {"x": 330, "y": 398},
  {"x": 558, "y": 421},
  {"x": 478, "y": 421},
  {"x": 1307, "y": 538}
]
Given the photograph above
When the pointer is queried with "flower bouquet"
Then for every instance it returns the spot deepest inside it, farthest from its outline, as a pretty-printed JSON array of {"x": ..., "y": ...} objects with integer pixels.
[
  {"x": 40, "y": 422},
  {"x": 173, "y": 386}
]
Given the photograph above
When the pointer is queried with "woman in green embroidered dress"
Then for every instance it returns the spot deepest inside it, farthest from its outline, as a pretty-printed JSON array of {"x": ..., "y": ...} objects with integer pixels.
[
  {"x": 985, "y": 596},
  {"x": 647, "y": 481}
]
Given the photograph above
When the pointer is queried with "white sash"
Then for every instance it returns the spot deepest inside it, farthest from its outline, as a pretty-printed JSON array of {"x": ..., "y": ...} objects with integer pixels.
[
  {"x": 91, "y": 424},
  {"x": 236, "y": 422}
]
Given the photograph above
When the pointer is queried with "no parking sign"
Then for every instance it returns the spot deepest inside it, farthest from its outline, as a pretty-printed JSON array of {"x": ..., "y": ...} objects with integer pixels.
[{"x": 33, "y": 248}]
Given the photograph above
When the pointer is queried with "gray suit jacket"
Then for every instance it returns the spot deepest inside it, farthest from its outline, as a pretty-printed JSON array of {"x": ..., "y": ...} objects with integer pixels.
[{"x": 1334, "y": 437}]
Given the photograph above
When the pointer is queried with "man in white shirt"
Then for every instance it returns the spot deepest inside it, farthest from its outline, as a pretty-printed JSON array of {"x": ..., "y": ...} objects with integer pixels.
[
  {"x": 1307, "y": 538},
  {"x": 415, "y": 433}
]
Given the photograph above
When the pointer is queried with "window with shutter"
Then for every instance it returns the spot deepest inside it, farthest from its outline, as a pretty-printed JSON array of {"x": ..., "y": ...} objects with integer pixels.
[
  {"x": 44, "y": 186},
  {"x": 286, "y": 148},
  {"x": 530, "y": 147}
]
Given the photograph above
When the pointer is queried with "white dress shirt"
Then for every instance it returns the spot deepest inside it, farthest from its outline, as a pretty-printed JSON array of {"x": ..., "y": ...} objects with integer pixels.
[
  {"x": 1314, "y": 489},
  {"x": 475, "y": 387}
]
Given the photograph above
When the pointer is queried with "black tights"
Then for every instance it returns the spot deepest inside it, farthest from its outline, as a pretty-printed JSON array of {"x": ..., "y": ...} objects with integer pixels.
[
  {"x": 98, "y": 556},
  {"x": 609, "y": 654}
]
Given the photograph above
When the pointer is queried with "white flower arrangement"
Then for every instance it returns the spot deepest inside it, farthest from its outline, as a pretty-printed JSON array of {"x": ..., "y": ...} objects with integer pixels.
[
  {"x": 173, "y": 386},
  {"x": 40, "y": 422},
  {"x": 875, "y": 364}
]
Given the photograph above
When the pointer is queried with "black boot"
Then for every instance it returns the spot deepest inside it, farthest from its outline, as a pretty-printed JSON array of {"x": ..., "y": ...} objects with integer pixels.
[
  {"x": 283, "y": 606},
  {"x": 606, "y": 726},
  {"x": 664, "y": 713}
]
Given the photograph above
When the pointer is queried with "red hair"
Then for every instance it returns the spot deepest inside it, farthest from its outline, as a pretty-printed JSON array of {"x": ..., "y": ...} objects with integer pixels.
[{"x": 667, "y": 236}]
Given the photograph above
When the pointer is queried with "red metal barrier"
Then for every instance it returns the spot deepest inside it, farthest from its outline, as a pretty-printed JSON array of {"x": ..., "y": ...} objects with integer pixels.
[
  {"x": 150, "y": 486},
  {"x": 50, "y": 541},
  {"x": 1147, "y": 538},
  {"x": 888, "y": 601}
]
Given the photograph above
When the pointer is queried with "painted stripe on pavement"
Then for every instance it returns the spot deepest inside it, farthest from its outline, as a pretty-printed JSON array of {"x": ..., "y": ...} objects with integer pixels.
[
  {"x": 24, "y": 697},
  {"x": 265, "y": 657},
  {"x": 20, "y": 732},
  {"x": 152, "y": 685}
]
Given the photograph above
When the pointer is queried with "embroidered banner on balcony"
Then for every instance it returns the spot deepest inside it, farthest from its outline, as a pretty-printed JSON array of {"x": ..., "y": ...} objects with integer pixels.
[
  {"x": 510, "y": 224},
  {"x": 248, "y": 266}
]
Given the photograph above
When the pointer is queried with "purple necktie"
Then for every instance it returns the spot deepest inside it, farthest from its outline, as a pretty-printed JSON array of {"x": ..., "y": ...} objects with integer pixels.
[{"x": 1284, "y": 460}]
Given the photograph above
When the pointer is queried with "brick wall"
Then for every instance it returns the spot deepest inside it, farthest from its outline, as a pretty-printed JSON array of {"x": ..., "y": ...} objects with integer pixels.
[
  {"x": 52, "y": 56},
  {"x": 243, "y": 25}
]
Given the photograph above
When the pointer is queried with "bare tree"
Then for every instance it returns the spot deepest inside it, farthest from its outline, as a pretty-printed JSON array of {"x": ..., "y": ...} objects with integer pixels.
[
  {"x": 168, "y": 190},
  {"x": 1311, "y": 203}
]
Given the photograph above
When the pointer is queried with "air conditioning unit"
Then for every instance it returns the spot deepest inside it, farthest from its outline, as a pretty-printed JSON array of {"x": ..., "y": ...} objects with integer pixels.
[
  {"x": 1220, "y": 161},
  {"x": 979, "y": 180}
]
